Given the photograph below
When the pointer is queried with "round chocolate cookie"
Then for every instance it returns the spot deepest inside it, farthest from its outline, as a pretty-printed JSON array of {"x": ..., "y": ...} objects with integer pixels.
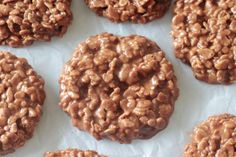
[
  {"x": 216, "y": 137},
  {"x": 24, "y": 21},
  {"x": 22, "y": 96},
  {"x": 204, "y": 33},
  {"x": 73, "y": 153},
  {"x": 119, "y": 88},
  {"x": 137, "y": 11}
]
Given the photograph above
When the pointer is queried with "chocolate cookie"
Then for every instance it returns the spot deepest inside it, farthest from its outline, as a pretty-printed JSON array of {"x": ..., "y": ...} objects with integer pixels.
[
  {"x": 216, "y": 137},
  {"x": 121, "y": 88},
  {"x": 73, "y": 153},
  {"x": 137, "y": 11},
  {"x": 22, "y": 96},
  {"x": 23, "y": 22},
  {"x": 204, "y": 33}
]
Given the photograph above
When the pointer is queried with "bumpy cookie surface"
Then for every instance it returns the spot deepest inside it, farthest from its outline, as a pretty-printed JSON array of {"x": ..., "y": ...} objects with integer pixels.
[
  {"x": 137, "y": 11},
  {"x": 73, "y": 153},
  {"x": 121, "y": 88},
  {"x": 204, "y": 33},
  {"x": 215, "y": 137},
  {"x": 24, "y": 21},
  {"x": 22, "y": 96}
]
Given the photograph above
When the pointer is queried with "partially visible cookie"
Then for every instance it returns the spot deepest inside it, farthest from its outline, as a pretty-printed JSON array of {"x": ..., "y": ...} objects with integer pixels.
[
  {"x": 23, "y": 22},
  {"x": 121, "y": 88},
  {"x": 22, "y": 96},
  {"x": 215, "y": 137},
  {"x": 73, "y": 153},
  {"x": 137, "y": 11},
  {"x": 204, "y": 33}
]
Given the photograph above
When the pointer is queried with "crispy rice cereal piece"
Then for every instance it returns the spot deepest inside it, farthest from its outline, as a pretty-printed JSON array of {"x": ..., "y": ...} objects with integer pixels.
[
  {"x": 73, "y": 153},
  {"x": 121, "y": 88},
  {"x": 204, "y": 33},
  {"x": 215, "y": 137},
  {"x": 137, "y": 11},
  {"x": 24, "y": 21},
  {"x": 22, "y": 96}
]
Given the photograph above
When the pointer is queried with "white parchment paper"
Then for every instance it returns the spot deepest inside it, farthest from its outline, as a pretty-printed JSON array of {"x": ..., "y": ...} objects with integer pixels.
[{"x": 196, "y": 102}]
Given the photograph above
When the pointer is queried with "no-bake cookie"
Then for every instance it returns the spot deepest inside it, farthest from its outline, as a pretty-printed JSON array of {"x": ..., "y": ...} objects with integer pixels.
[
  {"x": 73, "y": 153},
  {"x": 22, "y": 96},
  {"x": 215, "y": 137},
  {"x": 137, "y": 11},
  {"x": 24, "y": 21},
  {"x": 121, "y": 88},
  {"x": 204, "y": 33}
]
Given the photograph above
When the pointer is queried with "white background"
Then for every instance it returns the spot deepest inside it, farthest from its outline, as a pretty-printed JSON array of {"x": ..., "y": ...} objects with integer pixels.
[{"x": 197, "y": 100}]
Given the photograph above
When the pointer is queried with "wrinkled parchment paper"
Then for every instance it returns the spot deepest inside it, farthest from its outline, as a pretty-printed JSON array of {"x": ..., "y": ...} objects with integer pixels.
[{"x": 197, "y": 100}]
